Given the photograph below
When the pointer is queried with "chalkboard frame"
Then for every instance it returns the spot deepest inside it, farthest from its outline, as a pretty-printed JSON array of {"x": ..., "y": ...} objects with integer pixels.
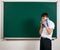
[{"x": 19, "y": 38}]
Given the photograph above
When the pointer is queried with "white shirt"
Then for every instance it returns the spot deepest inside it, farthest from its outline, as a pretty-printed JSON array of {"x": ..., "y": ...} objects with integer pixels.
[{"x": 44, "y": 32}]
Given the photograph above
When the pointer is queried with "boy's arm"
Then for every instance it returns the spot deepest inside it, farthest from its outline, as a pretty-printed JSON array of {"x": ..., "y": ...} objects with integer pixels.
[
  {"x": 40, "y": 31},
  {"x": 49, "y": 30}
]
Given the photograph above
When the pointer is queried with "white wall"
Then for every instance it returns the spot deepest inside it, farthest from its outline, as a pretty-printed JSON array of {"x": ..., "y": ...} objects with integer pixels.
[{"x": 28, "y": 44}]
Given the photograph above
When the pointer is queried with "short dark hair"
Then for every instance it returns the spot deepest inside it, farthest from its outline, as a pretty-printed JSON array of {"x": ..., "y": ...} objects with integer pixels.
[{"x": 44, "y": 14}]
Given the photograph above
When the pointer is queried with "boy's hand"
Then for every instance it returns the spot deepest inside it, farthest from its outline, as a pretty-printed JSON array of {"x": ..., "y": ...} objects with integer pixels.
[{"x": 44, "y": 23}]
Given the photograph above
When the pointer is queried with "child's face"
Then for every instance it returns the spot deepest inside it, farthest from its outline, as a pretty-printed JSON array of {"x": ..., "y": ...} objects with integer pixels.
[{"x": 44, "y": 18}]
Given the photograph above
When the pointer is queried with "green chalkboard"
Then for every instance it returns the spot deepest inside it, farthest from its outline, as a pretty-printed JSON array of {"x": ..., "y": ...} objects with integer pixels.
[{"x": 22, "y": 19}]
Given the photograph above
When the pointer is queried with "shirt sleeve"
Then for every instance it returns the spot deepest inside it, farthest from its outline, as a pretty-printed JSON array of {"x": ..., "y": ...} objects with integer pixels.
[{"x": 51, "y": 25}]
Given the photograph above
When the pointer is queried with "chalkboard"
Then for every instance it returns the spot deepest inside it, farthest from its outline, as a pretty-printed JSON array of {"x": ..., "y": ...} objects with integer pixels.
[{"x": 22, "y": 19}]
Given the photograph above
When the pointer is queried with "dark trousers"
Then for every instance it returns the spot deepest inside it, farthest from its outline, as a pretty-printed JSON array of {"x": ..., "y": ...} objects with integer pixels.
[{"x": 45, "y": 44}]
